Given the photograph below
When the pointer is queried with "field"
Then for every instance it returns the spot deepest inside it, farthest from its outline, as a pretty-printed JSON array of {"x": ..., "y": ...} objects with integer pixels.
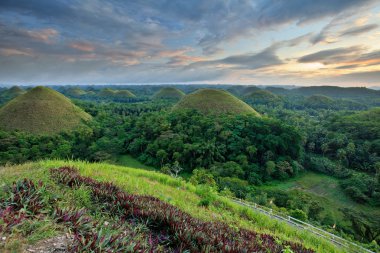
[
  {"x": 136, "y": 181},
  {"x": 325, "y": 189}
]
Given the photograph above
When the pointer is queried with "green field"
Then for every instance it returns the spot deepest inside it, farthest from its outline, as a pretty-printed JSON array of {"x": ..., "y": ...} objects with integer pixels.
[
  {"x": 129, "y": 161},
  {"x": 325, "y": 189},
  {"x": 174, "y": 191}
]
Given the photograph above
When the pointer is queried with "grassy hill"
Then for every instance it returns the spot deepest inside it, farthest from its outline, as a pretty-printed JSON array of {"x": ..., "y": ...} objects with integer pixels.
[
  {"x": 212, "y": 101},
  {"x": 327, "y": 191},
  {"x": 263, "y": 97},
  {"x": 107, "y": 92},
  {"x": 75, "y": 92},
  {"x": 8, "y": 94},
  {"x": 319, "y": 101},
  {"x": 248, "y": 90},
  {"x": 41, "y": 110},
  {"x": 170, "y": 93},
  {"x": 172, "y": 194}
]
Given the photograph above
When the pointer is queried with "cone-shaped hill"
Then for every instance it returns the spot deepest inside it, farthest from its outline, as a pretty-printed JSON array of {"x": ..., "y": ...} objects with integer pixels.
[
  {"x": 169, "y": 93},
  {"x": 12, "y": 92},
  {"x": 212, "y": 101},
  {"x": 41, "y": 110},
  {"x": 75, "y": 92},
  {"x": 319, "y": 101},
  {"x": 263, "y": 97},
  {"x": 110, "y": 93}
]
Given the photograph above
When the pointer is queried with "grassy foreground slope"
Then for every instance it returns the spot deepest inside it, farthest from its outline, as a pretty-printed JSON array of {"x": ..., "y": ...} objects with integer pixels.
[
  {"x": 41, "y": 110},
  {"x": 174, "y": 191}
]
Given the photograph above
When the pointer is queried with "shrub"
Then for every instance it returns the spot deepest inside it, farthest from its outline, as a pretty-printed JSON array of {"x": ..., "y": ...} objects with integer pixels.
[{"x": 298, "y": 214}]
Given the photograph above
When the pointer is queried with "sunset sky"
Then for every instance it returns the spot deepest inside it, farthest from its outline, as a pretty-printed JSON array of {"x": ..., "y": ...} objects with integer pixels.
[{"x": 263, "y": 42}]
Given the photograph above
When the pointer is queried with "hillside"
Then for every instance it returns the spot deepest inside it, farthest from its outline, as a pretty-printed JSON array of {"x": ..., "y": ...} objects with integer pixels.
[
  {"x": 41, "y": 110},
  {"x": 263, "y": 97},
  {"x": 169, "y": 93},
  {"x": 75, "y": 92},
  {"x": 326, "y": 190},
  {"x": 337, "y": 92},
  {"x": 248, "y": 90},
  {"x": 319, "y": 101},
  {"x": 212, "y": 101},
  {"x": 107, "y": 92},
  {"x": 8, "y": 94},
  {"x": 174, "y": 195}
]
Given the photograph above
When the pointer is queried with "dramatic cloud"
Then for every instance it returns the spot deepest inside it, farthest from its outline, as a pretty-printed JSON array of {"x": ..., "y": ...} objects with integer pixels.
[
  {"x": 173, "y": 40},
  {"x": 359, "y": 30},
  {"x": 332, "y": 56}
]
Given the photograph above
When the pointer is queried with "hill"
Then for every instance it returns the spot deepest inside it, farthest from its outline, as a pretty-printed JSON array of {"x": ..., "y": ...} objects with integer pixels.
[
  {"x": 248, "y": 90},
  {"x": 212, "y": 101},
  {"x": 8, "y": 94},
  {"x": 41, "y": 110},
  {"x": 124, "y": 94},
  {"x": 263, "y": 97},
  {"x": 75, "y": 92},
  {"x": 169, "y": 93},
  {"x": 319, "y": 102},
  {"x": 139, "y": 214},
  {"x": 110, "y": 93},
  {"x": 337, "y": 92}
]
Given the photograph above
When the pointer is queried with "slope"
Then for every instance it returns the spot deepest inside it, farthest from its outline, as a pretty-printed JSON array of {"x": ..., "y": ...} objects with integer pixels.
[
  {"x": 213, "y": 101},
  {"x": 41, "y": 111},
  {"x": 170, "y": 190}
]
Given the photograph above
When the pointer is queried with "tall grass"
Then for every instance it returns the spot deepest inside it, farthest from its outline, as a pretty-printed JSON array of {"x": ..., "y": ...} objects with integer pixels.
[{"x": 176, "y": 192}]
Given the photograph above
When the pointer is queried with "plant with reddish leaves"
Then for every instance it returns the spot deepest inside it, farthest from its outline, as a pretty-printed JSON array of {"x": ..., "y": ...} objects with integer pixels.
[
  {"x": 25, "y": 195},
  {"x": 10, "y": 218},
  {"x": 183, "y": 232}
]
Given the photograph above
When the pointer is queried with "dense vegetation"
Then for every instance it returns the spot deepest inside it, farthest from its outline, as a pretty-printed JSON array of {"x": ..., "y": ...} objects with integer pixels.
[{"x": 264, "y": 159}]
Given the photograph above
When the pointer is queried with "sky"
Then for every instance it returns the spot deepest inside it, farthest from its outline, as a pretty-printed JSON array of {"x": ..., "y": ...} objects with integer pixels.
[{"x": 260, "y": 42}]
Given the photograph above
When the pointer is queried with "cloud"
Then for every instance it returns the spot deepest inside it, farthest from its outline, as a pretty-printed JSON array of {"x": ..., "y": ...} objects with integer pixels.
[
  {"x": 83, "y": 46},
  {"x": 158, "y": 40},
  {"x": 332, "y": 56},
  {"x": 264, "y": 58},
  {"x": 359, "y": 30}
]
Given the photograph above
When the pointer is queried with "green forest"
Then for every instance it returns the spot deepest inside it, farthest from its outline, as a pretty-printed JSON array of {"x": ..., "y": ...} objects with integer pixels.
[{"x": 311, "y": 152}]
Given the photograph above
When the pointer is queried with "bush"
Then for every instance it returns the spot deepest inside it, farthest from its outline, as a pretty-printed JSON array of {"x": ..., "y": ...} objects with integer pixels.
[{"x": 298, "y": 214}]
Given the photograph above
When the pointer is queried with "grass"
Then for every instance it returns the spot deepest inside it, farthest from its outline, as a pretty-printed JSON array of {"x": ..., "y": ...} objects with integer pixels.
[
  {"x": 174, "y": 191},
  {"x": 326, "y": 190},
  {"x": 263, "y": 96},
  {"x": 129, "y": 161},
  {"x": 169, "y": 93},
  {"x": 213, "y": 101},
  {"x": 41, "y": 110}
]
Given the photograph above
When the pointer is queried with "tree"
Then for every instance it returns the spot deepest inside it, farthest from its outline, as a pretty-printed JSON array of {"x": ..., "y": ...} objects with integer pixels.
[
  {"x": 201, "y": 176},
  {"x": 161, "y": 155},
  {"x": 298, "y": 214}
]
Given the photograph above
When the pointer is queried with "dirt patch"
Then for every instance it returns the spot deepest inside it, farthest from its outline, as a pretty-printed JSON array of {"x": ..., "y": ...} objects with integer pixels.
[{"x": 56, "y": 244}]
